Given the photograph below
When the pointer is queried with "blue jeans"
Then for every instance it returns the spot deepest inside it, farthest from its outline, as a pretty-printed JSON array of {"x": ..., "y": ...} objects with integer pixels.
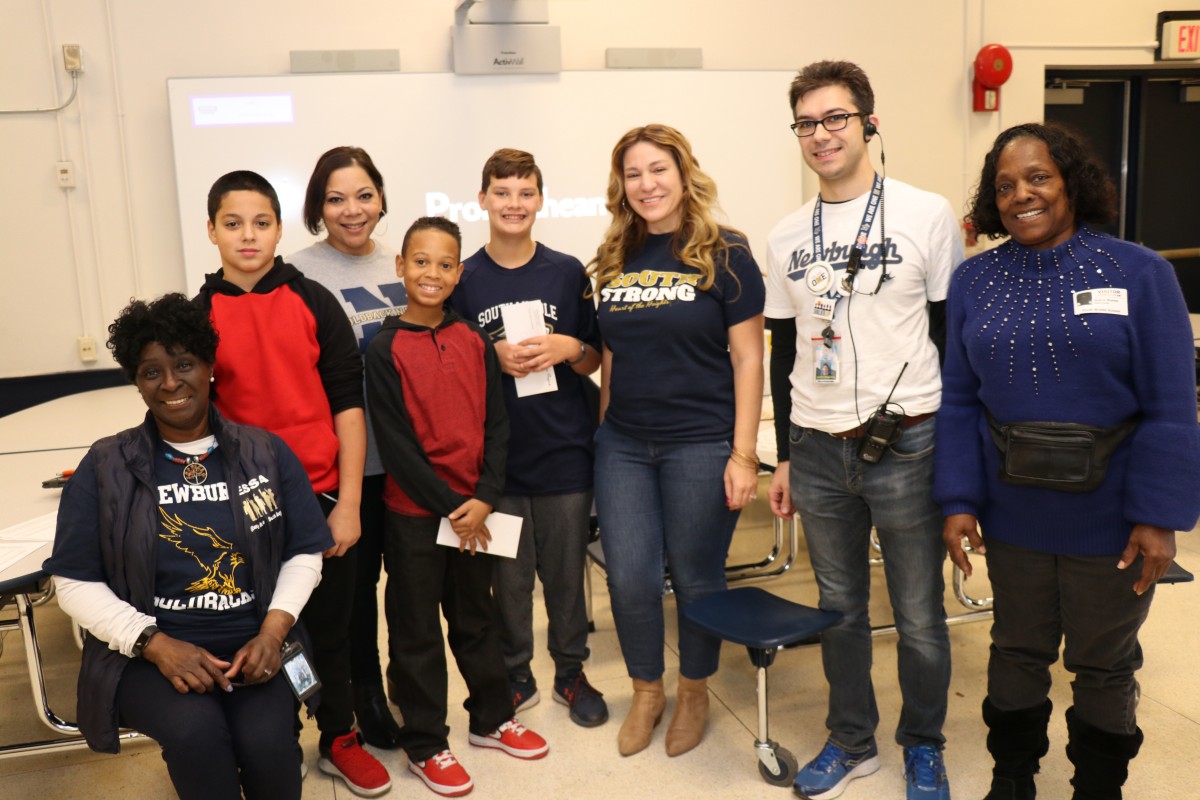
[
  {"x": 656, "y": 500},
  {"x": 839, "y": 497}
]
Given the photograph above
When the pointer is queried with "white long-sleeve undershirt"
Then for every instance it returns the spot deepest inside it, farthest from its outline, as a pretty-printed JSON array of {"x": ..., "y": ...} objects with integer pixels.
[{"x": 95, "y": 607}]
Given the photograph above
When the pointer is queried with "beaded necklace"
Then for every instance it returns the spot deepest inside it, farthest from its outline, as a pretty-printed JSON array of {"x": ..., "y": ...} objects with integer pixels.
[{"x": 194, "y": 472}]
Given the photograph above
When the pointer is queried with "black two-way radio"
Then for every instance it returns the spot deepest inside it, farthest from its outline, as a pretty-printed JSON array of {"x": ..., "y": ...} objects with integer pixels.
[{"x": 884, "y": 427}]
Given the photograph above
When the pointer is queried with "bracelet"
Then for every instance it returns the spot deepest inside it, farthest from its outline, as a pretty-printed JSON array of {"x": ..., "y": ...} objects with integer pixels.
[
  {"x": 747, "y": 464},
  {"x": 744, "y": 460}
]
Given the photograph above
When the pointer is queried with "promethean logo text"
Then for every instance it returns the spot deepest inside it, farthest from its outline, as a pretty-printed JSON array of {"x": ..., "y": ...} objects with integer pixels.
[{"x": 439, "y": 204}]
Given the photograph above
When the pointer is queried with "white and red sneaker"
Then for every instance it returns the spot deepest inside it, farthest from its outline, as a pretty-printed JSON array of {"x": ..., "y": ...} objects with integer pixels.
[
  {"x": 361, "y": 771},
  {"x": 515, "y": 739},
  {"x": 443, "y": 774}
]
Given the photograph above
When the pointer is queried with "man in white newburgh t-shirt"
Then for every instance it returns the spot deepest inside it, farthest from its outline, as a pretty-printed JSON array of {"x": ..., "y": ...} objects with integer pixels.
[{"x": 856, "y": 285}]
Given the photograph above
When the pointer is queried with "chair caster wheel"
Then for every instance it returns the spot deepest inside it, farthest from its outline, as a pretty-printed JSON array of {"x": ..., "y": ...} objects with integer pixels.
[{"x": 788, "y": 767}]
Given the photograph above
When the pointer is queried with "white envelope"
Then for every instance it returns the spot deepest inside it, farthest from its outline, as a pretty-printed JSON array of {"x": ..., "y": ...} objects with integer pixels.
[
  {"x": 504, "y": 528},
  {"x": 523, "y": 321}
]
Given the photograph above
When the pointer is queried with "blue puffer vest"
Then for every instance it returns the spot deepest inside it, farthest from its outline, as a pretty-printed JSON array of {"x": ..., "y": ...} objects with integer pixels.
[{"x": 127, "y": 505}]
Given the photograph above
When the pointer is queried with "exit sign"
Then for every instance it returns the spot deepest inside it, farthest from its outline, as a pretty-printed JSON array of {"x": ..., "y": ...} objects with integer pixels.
[
  {"x": 1178, "y": 36},
  {"x": 1181, "y": 39}
]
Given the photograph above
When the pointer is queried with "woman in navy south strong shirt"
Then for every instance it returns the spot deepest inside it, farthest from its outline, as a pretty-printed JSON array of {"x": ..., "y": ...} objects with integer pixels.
[{"x": 680, "y": 312}]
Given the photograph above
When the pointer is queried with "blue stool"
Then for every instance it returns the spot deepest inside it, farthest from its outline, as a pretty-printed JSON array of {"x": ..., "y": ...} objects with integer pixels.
[{"x": 764, "y": 623}]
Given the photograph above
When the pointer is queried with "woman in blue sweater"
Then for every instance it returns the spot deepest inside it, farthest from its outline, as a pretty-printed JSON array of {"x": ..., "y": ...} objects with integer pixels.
[{"x": 1063, "y": 324}]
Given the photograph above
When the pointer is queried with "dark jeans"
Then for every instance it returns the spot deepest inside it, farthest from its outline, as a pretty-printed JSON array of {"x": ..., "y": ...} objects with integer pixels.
[
  {"x": 423, "y": 575},
  {"x": 364, "y": 618},
  {"x": 327, "y": 618},
  {"x": 1042, "y": 599},
  {"x": 553, "y": 547},
  {"x": 839, "y": 497},
  {"x": 661, "y": 500},
  {"x": 218, "y": 743}
]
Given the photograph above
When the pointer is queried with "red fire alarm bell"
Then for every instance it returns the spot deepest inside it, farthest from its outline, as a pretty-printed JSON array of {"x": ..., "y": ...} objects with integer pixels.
[{"x": 993, "y": 66}]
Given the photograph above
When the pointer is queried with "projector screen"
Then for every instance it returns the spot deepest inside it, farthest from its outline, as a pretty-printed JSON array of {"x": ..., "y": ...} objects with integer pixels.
[{"x": 430, "y": 133}]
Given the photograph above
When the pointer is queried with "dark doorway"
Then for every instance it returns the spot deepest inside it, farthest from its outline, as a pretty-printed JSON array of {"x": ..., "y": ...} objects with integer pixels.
[{"x": 1144, "y": 122}]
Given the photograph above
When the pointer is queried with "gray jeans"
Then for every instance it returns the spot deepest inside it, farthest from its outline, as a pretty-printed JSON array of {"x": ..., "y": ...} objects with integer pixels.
[
  {"x": 1084, "y": 603},
  {"x": 553, "y": 547}
]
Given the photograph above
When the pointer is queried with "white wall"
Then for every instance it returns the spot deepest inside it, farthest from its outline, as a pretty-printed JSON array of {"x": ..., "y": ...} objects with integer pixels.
[{"x": 72, "y": 259}]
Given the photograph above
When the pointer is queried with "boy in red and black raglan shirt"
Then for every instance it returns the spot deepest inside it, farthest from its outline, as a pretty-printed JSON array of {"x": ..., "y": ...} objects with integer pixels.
[
  {"x": 437, "y": 407},
  {"x": 288, "y": 362}
]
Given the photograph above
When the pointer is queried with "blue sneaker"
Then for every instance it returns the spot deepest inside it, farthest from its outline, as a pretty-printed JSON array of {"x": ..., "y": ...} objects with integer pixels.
[
  {"x": 925, "y": 773},
  {"x": 585, "y": 702},
  {"x": 828, "y": 774}
]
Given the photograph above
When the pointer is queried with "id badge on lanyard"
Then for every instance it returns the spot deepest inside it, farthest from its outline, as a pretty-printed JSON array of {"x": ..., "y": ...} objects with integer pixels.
[{"x": 822, "y": 282}]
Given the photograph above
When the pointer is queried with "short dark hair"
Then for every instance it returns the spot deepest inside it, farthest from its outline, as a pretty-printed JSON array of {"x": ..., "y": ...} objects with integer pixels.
[
  {"x": 242, "y": 180},
  {"x": 820, "y": 74},
  {"x": 1090, "y": 188},
  {"x": 174, "y": 321},
  {"x": 330, "y": 162},
  {"x": 507, "y": 163},
  {"x": 436, "y": 223}
]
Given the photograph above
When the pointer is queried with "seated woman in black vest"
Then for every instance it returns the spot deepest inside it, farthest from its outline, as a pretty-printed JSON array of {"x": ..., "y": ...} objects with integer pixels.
[{"x": 186, "y": 547}]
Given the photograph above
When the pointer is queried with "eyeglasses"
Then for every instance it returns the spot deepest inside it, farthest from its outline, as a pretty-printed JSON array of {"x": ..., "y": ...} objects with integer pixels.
[{"x": 834, "y": 122}]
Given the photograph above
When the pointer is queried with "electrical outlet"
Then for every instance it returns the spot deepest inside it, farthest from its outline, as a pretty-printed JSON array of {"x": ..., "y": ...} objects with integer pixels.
[
  {"x": 72, "y": 58},
  {"x": 87, "y": 349},
  {"x": 64, "y": 172}
]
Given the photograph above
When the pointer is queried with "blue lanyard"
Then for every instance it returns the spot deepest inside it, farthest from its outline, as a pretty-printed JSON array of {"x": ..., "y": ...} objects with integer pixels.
[{"x": 864, "y": 228}]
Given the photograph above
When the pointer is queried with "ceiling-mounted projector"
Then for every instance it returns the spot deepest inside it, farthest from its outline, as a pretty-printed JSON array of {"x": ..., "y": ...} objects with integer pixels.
[{"x": 502, "y": 36}]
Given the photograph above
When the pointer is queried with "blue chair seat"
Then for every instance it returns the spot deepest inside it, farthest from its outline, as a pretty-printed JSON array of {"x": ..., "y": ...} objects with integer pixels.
[{"x": 757, "y": 619}]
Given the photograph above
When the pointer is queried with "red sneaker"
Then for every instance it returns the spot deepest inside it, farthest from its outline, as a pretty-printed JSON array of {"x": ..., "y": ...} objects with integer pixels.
[
  {"x": 515, "y": 739},
  {"x": 443, "y": 774},
  {"x": 363, "y": 774}
]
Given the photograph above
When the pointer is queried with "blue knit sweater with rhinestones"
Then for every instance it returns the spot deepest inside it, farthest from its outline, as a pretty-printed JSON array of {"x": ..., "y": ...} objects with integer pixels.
[{"x": 1017, "y": 347}]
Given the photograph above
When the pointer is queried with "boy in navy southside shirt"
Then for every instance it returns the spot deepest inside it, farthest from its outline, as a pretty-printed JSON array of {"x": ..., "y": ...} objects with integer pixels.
[{"x": 549, "y": 476}]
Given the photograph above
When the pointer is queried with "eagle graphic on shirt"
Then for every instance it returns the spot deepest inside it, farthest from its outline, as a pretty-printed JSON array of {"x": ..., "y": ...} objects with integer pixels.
[{"x": 215, "y": 556}]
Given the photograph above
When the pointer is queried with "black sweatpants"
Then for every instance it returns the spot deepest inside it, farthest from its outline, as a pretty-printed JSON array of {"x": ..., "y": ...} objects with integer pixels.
[{"x": 423, "y": 576}]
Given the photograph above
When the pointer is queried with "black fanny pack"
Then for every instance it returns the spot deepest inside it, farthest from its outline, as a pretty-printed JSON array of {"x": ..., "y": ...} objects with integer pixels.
[{"x": 1056, "y": 455}]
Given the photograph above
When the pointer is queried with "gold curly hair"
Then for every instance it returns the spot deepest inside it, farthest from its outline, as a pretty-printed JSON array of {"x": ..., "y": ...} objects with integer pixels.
[{"x": 700, "y": 242}]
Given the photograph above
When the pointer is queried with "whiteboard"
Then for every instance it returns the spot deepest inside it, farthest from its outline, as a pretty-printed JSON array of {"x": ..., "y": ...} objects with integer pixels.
[{"x": 430, "y": 134}]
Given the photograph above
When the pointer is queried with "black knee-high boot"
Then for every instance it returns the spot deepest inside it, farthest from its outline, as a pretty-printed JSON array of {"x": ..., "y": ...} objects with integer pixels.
[
  {"x": 1101, "y": 758},
  {"x": 1017, "y": 741}
]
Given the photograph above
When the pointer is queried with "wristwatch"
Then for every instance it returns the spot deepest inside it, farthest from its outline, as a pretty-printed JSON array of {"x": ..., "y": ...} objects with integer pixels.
[
  {"x": 582, "y": 353},
  {"x": 139, "y": 646}
]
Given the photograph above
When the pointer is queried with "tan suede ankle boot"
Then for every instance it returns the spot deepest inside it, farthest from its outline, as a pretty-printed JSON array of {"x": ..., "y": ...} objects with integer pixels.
[
  {"x": 649, "y": 701},
  {"x": 691, "y": 715}
]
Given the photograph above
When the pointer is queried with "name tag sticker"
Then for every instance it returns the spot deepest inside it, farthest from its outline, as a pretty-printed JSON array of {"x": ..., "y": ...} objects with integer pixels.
[{"x": 1102, "y": 301}]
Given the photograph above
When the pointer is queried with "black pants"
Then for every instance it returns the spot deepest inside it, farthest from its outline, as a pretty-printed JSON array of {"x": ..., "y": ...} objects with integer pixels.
[
  {"x": 1083, "y": 604},
  {"x": 364, "y": 620},
  {"x": 327, "y": 618},
  {"x": 218, "y": 743},
  {"x": 421, "y": 576}
]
